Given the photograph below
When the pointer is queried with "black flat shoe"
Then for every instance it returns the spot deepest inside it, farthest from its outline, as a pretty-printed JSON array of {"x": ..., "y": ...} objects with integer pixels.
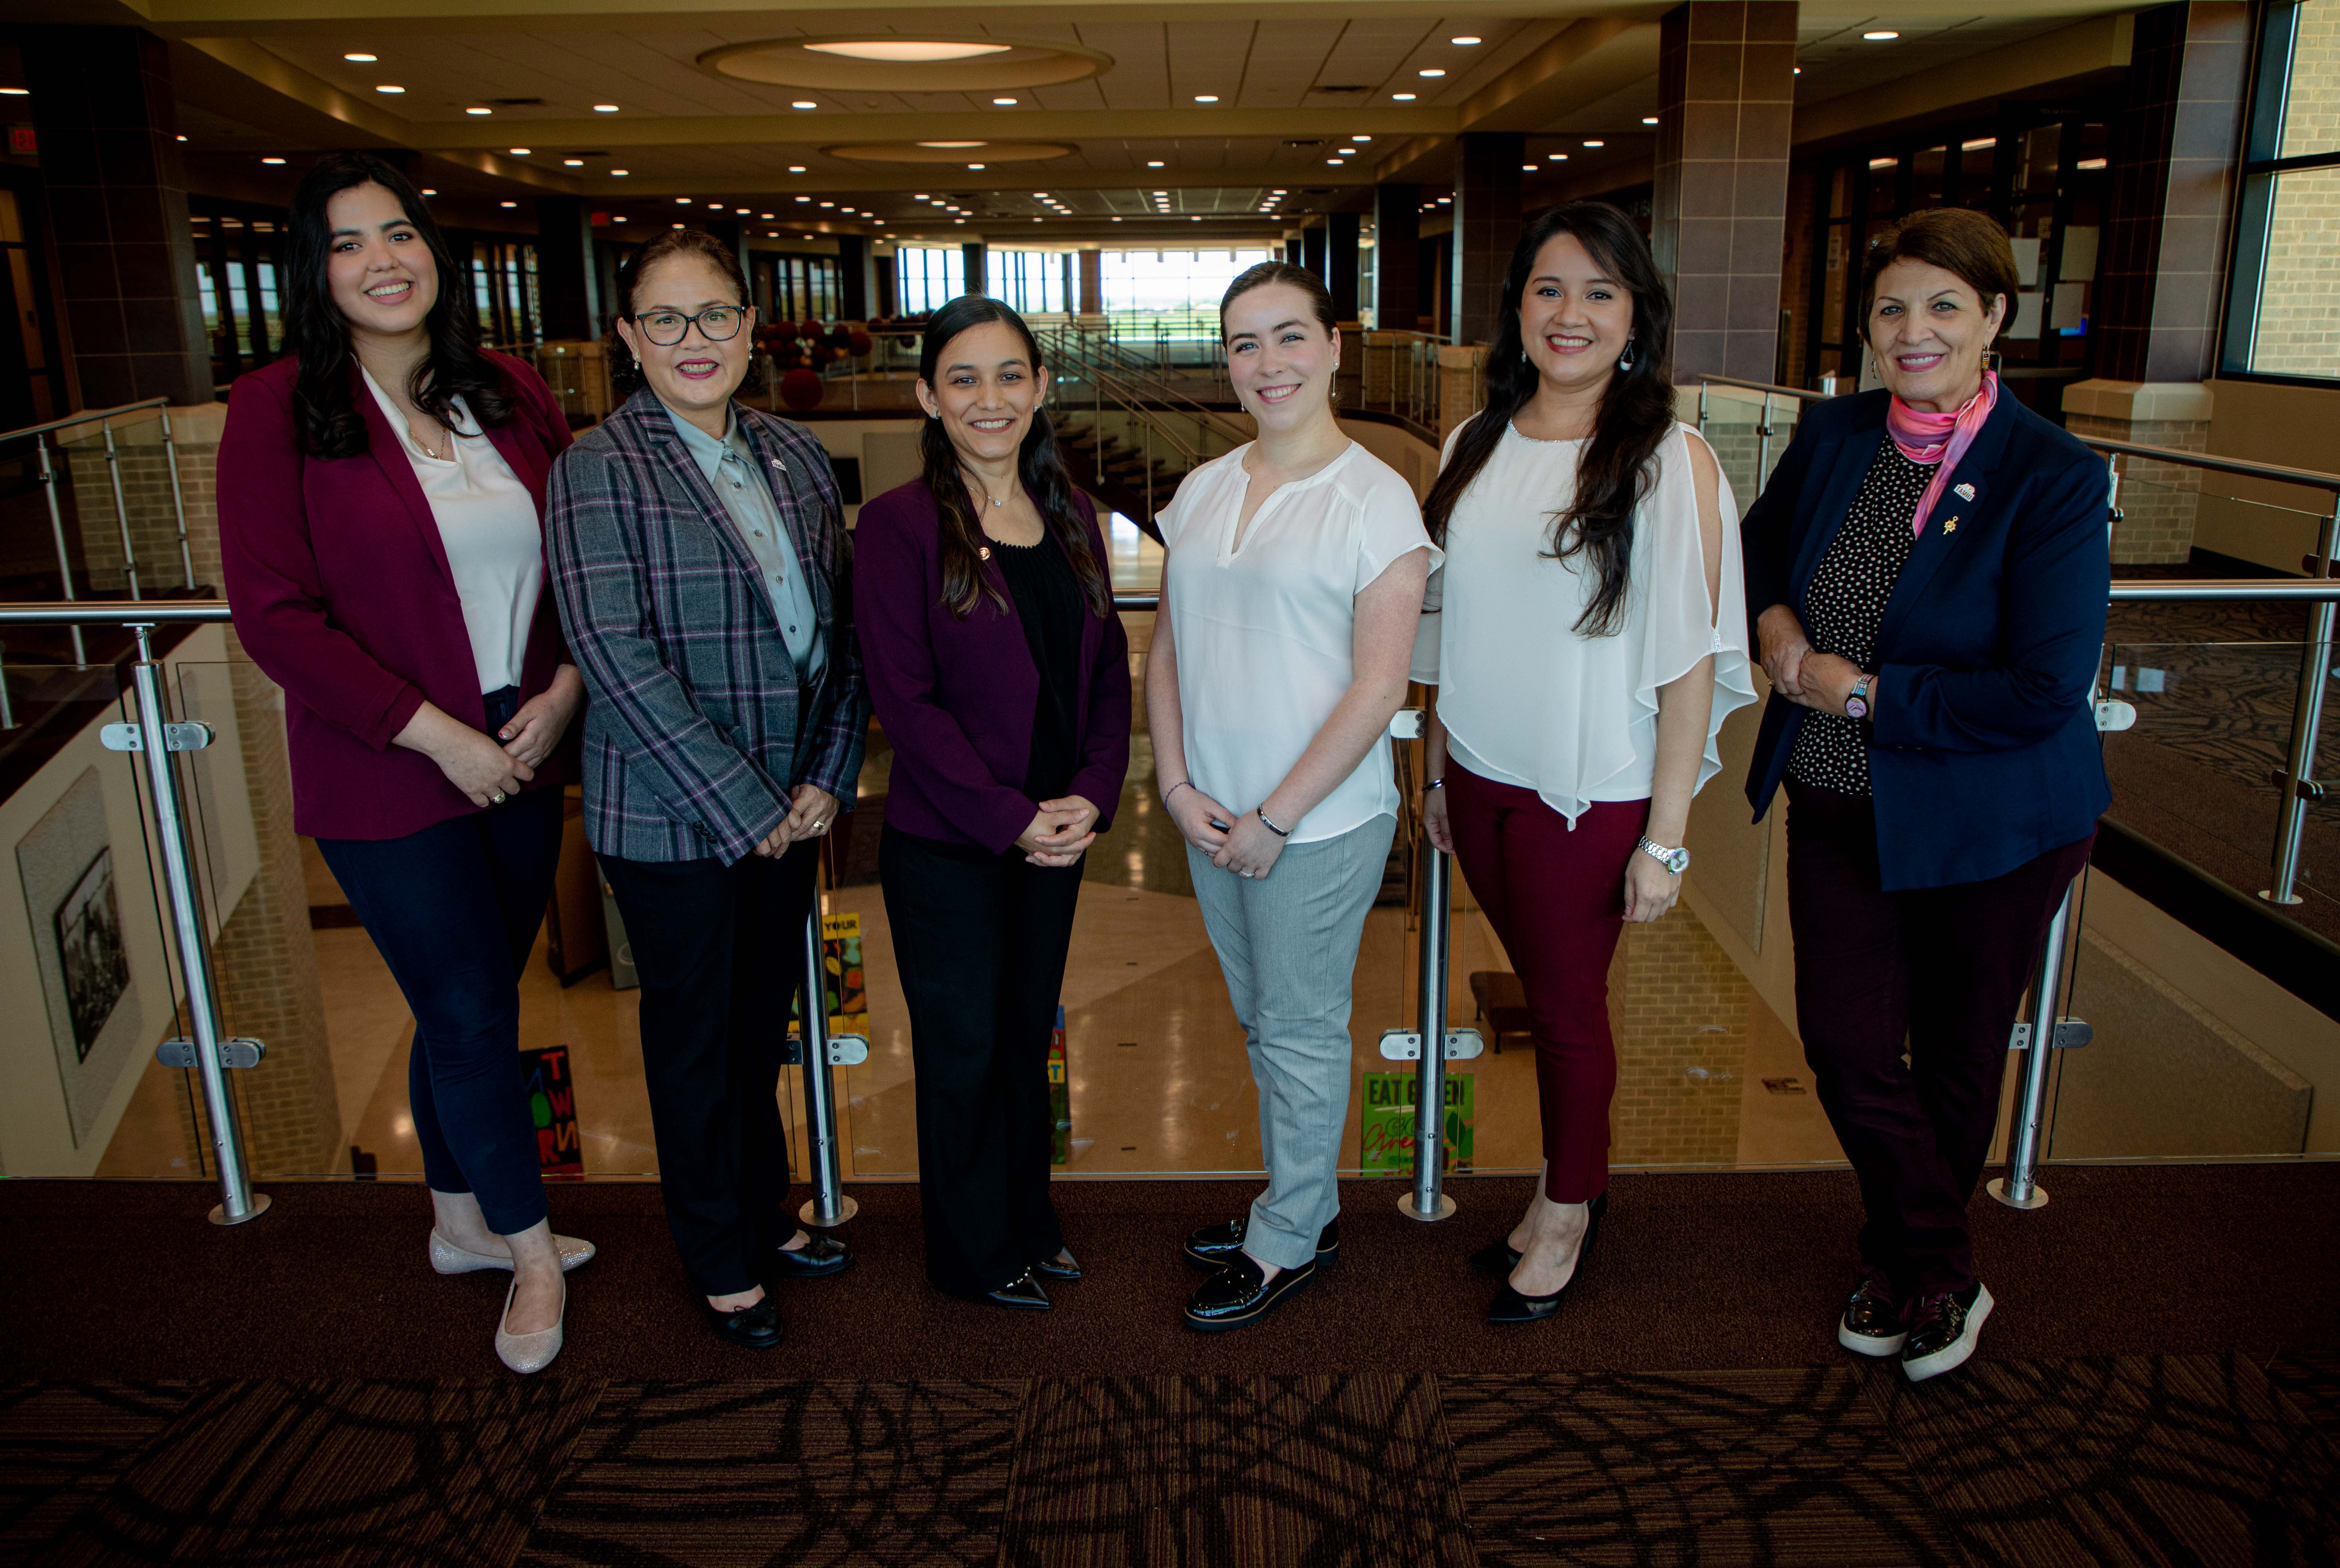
[
  {"x": 1241, "y": 1293},
  {"x": 1500, "y": 1256},
  {"x": 756, "y": 1327},
  {"x": 823, "y": 1255},
  {"x": 1513, "y": 1306},
  {"x": 1064, "y": 1266},
  {"x": 1023, "y": 1294},
  {"x": 1214, "y": 1245}
]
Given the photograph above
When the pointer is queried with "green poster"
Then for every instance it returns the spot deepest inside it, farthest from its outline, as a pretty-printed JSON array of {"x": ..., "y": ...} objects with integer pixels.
[{"x": 1388, "y": 1132}]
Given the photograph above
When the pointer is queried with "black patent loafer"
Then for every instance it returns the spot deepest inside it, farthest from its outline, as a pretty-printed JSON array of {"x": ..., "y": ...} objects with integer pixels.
[
  {"x": 822, "y": 1256},
  {"x": 1214, "y": 1245},
  {"x": 756, "y": 1327},
  {"x": 1500, "y": 1256},
  {"x": 1241, "y": 1293},
  {"x": 1064, "y": 1266},
  {"x": 1022, "y": 1293},
  {"x": 1511, "y": 1307},
  {"x": 1942, "y": 1332},
  {"x": 1873, "y": 1322}
]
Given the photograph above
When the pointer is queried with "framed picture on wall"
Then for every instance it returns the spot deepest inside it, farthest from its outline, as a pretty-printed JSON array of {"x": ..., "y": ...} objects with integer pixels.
[
  {"x": 74, "y": 905},
  {"x": 89, "y": 949}
]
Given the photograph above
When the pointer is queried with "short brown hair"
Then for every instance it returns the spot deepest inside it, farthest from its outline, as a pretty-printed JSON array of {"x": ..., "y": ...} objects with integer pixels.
[
  {"x": 625, "y": 375},
  {"x": 1969, "y": 245}
]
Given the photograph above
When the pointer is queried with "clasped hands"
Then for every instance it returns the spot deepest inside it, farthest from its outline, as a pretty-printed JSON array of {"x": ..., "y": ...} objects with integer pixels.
[
  {"x": 1061, "y": 832},
  {"x": 811, "y": 809},
  {"x": 1810, "y": 680},
  {"x": 1246, "y": 845}
]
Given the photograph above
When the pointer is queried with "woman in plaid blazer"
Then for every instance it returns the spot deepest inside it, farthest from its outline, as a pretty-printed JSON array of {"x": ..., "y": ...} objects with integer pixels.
[{"x": 699, "y": 555}]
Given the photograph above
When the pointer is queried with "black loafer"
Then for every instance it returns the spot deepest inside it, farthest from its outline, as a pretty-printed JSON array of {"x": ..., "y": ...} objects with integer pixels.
[
  {"x": 1510, "y": 1306},
  {"x": 1500, "y": 1256},
  {"x": 1064, "y": 1266},
  {"x": 756, "y": 1327},
  {"x": 1214, "y": 1245},
  {"x": 1241, "y": 1293},
  {"x": 823, "y": 1255},
  {"x": 1023, "y": 1294}
]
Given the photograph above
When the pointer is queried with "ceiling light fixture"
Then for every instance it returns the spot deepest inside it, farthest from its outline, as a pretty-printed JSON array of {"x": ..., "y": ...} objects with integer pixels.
[
  {"x": 519, "y": 151},
  {"x": 181, "y": 136},
  {"x": 804, "y": 198},
  {"x": 619, "y": 173},
  {"x": 767, "y": 217},
  {"x": 1882, "y": 35},
  {"x": 1360, "y": 138},
  {"x": 572, "y": 162},
  {"x": 605, "y": 108},
  {"x": 390, "y": 87},
  {"x": 429, "y": 192},
  {"x": 829, "y": 203},
  {"x": 362, "y": 58},
  {"x": 1430, "y": 71},
  {"x": 682, "y": 201},
  {"x": 804, "y": 104},
  {"x": 1154, "y": 163},
  {"x": 619, "y": 219},
  {"x": 919, "y": 51},
  {"x": 478, "y": 109},
  {"x": 1332, "y": 162},
  {"x": 975, "y": 165},
  {"x": 1800, "y": 70},
  {"x": 796, "y": 168},
  {"x": 1979, "y": 144},
  {"x": 1206, "y": 97},
  {"x": 272, "y": 160},
  {"x": 1466, "y": 40},
  {"x": 1403, "y": 97},
  {"x": 1004, "y": 103},
  {"x": 507, "y": 203},
  {"x": 1649, "y": 119},
  {"x": 1557, "y": 157},
  {"x": 1529, "y": 168}
]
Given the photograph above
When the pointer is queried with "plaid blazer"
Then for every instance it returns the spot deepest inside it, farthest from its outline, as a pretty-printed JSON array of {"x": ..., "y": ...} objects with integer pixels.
[{"x": 696, "y": 726}]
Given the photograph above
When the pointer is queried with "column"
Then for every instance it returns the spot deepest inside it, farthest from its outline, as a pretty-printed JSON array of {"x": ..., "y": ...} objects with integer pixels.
[
  {"x": 1312, "y": 250},
  {"x": 1291, "y": 250},
  {"x": 1397, "y": 262},
  {"x": 104, "y": 117},
  {"x": 2163, "y": 279},
  {"x": 1092, "y": 283},
  {"x": 1726, "y": 106},
  {"x": 974, "y": 252},
  {"x": 1486, "y": 228},
  {"x": 1340, "y": 263},
  {"x": 853, "y": 290},
  {"x": 565, "y": 281}
]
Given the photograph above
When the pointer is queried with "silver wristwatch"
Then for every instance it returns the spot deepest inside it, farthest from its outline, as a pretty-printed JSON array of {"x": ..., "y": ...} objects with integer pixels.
[{"x": 1674, "y": 861}]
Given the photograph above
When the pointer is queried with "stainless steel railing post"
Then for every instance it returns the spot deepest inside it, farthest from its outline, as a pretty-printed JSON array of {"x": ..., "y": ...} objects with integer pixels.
[
  {"x": 1762, "y": 439},
  {"x": 178, "y": 499},
  {"x": 2306, "y": 719},
  {"x": 2020, "y": 1187},
  {"x": 828, "y": 1206},
  {"x": 57, "y": 531},
  {"x": 121, "y": 509},
  {"x": 1427, "y": 1199},
  {"x": 238, "y": 1202}
]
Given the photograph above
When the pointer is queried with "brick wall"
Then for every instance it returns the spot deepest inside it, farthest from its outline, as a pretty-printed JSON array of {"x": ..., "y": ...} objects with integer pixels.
[
  {"x": 2157, "y": 499},
  {"x": 1679, "y": 1010},
  {"x": 145, "y": 468},
  {"x": 2299, "y": 305}
]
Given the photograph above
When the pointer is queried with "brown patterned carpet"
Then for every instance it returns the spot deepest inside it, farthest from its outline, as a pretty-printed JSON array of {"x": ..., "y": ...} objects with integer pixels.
[{"x": 2162, "y": 1385}]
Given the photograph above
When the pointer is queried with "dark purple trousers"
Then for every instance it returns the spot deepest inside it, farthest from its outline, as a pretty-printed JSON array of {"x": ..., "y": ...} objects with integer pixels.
[{"x": 1934, "y": 972}]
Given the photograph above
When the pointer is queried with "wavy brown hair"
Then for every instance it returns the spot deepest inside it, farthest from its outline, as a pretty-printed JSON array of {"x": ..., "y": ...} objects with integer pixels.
[{"x": 1618, "y": 466}]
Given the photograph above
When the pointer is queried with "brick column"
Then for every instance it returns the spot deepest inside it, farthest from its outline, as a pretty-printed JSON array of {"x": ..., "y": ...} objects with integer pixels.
[
  {"x": 105, "y": 115},
  {"x": 1726, "y": 106},
  {"x": 1486, "y": 229},
  {"x": 1340, "y": 263},
  {"x": 976, "y": 282},
  {"x": 566, "y": 278},
  {"x": 1092, "y": 283},
  {"x": 1397, "y": 259}
]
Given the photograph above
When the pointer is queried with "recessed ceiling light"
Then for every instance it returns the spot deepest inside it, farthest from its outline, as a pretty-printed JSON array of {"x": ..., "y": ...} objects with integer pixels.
[
  {"x": 1649, "y": 119},
  {"x": 1276, "y": 192},
  {"x": 675, "y": 225},
  {"x": 507, "y": 203},
  {"x": 1466, "y": 40},
  {"x": 1116, "y": 217},
  {"x": 682, "y": 201},
  {"x": 1978, "y": 143},
  {"x": 1332, "y": 162},
  {"x": 1594, "y": 141},
  {"x": 950, "y": 144},
  {"x": 605, "y": 108},
  {"x": 1154, "y": 163},
  {"x": 572, "y": 162},
  {"x": 619, "y": 219},
  {"x": 1206, "y": 97},
  {"x": 918, "y": 195},
  {"x": 2090, "y": 163},
  {"x": 1557, "y": 157},
  {"x": 804, "y": 198},
  {"x": 183, "y": 136},
  {"x": 1882, "y": 35},
  {"x": 429, "y": 192},
  {"x": 767, "y": 217},
  {"x": 1800, "y": 70},
  {"x": 619, "y": 173},
  {"x": 1403, "y": 97},
  {"x": 478, "y": 109},
  {"x": 1446, "y": 201},
  {"x": 917, "y": 50},
  {"x": 388, "y": 87},
  {"x": 975, "y": 165},
  {"x": 1430, "y": 71},
  {"x": 362, "y": 58},
  {"x": 1004, "y": 103},
  {"x": 1529, "y": 168},
  {"x": 804, "y": 104},
  {"x": 272, "y": 160},
  {"x": 1883, "y": 163},
  {"x": 519, "y": 151},
  {"x": 796, "y": 168},
  {"x": 1358, "y": 138},
  {"x": 741, "y": 211}
]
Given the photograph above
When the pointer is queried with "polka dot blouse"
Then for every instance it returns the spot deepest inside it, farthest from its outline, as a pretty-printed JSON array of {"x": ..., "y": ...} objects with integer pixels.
[{"x": 1845, "y": 604}]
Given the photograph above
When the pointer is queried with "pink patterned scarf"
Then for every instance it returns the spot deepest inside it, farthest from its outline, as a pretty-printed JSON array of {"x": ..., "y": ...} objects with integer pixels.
[{"x": 1941, "y": 438}]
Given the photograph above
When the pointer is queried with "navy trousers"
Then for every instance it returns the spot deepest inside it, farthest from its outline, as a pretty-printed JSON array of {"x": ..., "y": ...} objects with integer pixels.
[{"x": 453, "y": 910}]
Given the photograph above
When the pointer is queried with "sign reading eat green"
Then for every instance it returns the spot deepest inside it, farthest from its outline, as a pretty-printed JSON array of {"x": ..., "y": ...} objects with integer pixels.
[{"x": 1388, "y": 1123}]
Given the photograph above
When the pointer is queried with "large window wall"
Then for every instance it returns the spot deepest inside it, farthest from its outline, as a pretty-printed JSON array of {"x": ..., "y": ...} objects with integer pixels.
[
  {"x": 2283, "y": 316},
  {"x": 928, "y": 277},
  {"x": 1036, "y": 282},
  {"x": 1173, "y": 293}
]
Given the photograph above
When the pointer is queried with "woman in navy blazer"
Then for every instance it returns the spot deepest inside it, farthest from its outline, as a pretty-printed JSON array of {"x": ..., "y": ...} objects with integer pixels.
[
  {"x": 381, "y": 496},
  {"x": 1928, "y": 571},
  {"x": 999, "y": 673}
]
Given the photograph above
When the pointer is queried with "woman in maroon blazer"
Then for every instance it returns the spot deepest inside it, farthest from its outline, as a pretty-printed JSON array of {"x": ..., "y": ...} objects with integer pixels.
[
  {"x": 1000, "y": 674},
  {"x": 380, "y": 497}
]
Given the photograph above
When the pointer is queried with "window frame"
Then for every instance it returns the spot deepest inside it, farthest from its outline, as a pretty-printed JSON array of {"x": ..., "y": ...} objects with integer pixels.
[{"x": 2274, "y": 42}]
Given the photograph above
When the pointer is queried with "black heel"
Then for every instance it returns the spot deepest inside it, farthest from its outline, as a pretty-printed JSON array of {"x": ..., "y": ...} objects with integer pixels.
[{"x": 1511, "y": 1306}]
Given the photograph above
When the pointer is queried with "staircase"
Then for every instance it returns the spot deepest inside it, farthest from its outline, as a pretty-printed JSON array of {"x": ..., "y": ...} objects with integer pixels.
[{"x": 1109, "y": 468}]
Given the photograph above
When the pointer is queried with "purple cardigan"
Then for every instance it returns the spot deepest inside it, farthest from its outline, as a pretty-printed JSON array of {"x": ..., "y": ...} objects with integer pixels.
[{"x": 957, "y": 697}]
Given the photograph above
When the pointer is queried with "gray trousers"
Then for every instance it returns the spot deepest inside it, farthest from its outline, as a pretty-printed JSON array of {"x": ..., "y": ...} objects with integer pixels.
[{"x": 1288, "y": 945}]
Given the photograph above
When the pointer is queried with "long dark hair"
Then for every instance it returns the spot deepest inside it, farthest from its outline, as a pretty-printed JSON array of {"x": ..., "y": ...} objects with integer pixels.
[
  {"x": 1037, "y": 465},
  {"x": 1636, "y": 414},
  {"x": 325, "y": 412},
  {"x": 625, "y": 371}
]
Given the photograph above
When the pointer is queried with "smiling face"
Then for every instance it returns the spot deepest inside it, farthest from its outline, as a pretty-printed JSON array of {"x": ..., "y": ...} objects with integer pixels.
[
  {"x": 1280, "y": 357},
  {"x": 695, "y": 376},
  {"x": 1927, "y": 330},
  {"x": 1574, "y": 318},
  {"x": 986, "y": 391},
  {"x": 380, "y": 273}
]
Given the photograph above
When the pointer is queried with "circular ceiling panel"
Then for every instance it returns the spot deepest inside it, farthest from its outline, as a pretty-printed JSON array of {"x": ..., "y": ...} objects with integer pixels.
[
  {"x": 948, "y": 152},
  {"x": 906, "y": 62}
]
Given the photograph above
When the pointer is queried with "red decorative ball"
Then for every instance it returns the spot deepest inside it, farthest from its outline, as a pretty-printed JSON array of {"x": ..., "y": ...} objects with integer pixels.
[
  {"x": 801, "y": 389},
  {"x": 775, "y": 338},
  {"x": 859, "y": 343}
]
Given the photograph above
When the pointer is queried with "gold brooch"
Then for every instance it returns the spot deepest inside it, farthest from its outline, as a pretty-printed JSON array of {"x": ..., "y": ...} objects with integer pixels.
[{"x": 1951, "y": 526}]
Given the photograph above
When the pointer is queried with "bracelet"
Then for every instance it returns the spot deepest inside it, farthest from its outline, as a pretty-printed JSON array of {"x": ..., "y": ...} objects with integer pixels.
[
  {"x": 1433, "y": 784},
  {"x": 1279, "y": 832},
  {"x": 1182, "y": 784}
]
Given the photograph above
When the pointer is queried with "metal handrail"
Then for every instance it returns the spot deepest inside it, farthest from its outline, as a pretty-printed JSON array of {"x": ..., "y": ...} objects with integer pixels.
[
  {"x": 1706, "y": 379},
  {"x": 87, "y": 416},
  {"x": 2306, "y": 478}
]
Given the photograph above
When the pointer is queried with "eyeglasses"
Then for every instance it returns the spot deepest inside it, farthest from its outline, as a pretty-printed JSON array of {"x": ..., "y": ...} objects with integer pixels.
[{"x": 717, "y": 323}]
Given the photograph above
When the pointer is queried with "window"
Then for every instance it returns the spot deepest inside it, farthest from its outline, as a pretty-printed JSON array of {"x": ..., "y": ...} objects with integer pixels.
[
  {"x": 929, "y": 277},
  {"x": 1175, "y": 293},
  {"x": 2282, "y": 314},
  {"x": 1031, "y": 281}
]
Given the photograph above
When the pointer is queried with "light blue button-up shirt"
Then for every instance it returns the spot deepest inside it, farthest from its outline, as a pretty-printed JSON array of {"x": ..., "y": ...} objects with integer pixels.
[{"x": 729, "y": 466}]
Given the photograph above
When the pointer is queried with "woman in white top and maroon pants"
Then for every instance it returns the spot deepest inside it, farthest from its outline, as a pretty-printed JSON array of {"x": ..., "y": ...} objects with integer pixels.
[
  {"x": 1290, "y": 592},
  {"x": 1587, "y": 638}
]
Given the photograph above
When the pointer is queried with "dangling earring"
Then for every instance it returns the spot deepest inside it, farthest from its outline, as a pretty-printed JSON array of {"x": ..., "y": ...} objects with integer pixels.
[
  {"x": 1625, "y": 360},
  {"x": 1524, "y": 355},
  {"x": 1990, "y": 361}
]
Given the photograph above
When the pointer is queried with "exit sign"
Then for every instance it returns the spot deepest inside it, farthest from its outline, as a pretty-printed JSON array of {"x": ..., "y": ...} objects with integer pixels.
[{"x": 21, "y": 142}]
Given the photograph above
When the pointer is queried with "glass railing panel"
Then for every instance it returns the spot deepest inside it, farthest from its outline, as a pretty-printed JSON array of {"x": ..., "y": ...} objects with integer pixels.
[{"x": 1748, "y": 434}]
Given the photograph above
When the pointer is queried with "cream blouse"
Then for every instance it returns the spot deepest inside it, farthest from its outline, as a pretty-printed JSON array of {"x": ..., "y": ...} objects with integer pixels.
[{"x": 1526, "y": 699}]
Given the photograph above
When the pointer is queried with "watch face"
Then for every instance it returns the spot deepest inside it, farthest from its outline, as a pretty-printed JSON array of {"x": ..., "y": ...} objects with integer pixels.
[
  {"x": 1677, "y": 862},
  {"x": 1854, "y": 707}
]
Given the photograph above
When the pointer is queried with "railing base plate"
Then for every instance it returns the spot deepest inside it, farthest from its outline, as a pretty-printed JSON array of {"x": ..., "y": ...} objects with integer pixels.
[
  {"x": 258, "y": 1206},
  {"x": 811, "y": 1215},
  {"x": 1405, "y": 1207},
  {"x": 1997, "y": 1187}
]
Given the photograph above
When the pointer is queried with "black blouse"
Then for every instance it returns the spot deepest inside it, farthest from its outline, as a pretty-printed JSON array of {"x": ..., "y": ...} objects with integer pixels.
[
  {"x": 1048, "y": 602},
  {"x": 1846, "y": 604}
]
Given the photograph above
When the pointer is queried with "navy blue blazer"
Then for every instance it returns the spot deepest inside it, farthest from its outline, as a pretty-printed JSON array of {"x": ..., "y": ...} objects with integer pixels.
[{"x": 1983, "y": 753}]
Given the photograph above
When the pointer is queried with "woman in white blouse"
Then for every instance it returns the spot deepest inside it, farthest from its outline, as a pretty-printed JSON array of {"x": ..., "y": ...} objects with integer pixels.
[
  {"x": 1587, "y": 638},
  {"x": 1290, "y": 597}
]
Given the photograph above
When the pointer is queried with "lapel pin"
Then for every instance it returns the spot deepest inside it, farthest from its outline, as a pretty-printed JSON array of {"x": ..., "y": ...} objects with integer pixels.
[
  {"x": 1963, "y": 491},
  {"x": 983, "y": 552},
  {"x": 1951, "y": 526}
]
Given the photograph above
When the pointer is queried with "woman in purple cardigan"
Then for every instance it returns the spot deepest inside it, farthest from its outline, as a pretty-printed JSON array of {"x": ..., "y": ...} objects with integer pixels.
[
  {"x": 381, "y": 497},
  {"x": 999, "y": 672}
]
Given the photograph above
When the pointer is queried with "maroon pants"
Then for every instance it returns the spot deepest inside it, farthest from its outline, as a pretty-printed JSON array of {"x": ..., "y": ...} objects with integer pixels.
[
  {"x": 1557, "y": 900},
  {"x": 1932, "y": 974}
]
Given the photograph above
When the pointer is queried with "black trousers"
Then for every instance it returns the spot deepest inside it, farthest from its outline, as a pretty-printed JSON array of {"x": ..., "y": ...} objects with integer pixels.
[
  {"x": 1935, "y": 972},
  {"x": 980, "y": 942},
  {"x": 720, "y": 952}
]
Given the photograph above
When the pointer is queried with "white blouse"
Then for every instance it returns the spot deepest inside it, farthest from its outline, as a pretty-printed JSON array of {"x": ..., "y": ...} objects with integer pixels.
[
  {"x": 494, "y": 541},
  {"x": 1264, "y": 632},
  {"x": 1527, "y": 699}
]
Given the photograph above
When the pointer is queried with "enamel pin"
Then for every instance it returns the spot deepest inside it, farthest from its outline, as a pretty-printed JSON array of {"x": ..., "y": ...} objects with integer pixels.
[
  {"x": 1951, "y": 526},
  {"x": 983, "y": 551},
  {"x": 1963, "y": 491}
]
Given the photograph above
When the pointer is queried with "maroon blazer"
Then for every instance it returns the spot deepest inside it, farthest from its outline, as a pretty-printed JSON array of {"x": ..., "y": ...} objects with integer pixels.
[
  {"x": 957, "y": 697},
  {"x": 343, "y": 595}
]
